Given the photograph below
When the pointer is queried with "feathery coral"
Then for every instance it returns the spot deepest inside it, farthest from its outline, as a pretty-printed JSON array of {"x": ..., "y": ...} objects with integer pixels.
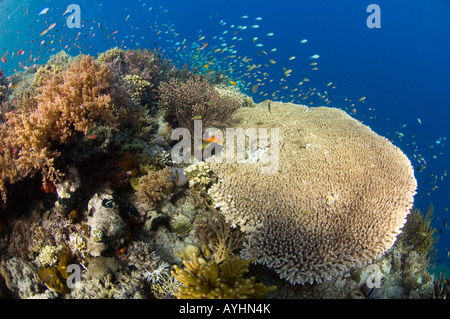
[
  {"x": 195, "y": 98},
  {"x": 70, "y": 101}
]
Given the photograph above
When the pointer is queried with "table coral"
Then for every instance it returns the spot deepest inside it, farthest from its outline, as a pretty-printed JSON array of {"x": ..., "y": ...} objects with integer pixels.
[{"x": 338, "y": 198}]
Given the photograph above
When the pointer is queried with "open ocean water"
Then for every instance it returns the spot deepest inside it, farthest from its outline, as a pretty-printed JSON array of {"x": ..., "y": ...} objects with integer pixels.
[{"x": 394, "y": 77}]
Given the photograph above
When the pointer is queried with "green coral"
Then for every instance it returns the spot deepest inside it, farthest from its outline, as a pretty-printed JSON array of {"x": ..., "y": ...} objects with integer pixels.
[
  {"x": 139, "y": 85},
  {"x": 199, "y": 176},
  {"x": 56, "y": 63},
  {"x": 111, "y": 55},
  {"x": 418, "y": 233},
  {"x": 209, "y": 280}
]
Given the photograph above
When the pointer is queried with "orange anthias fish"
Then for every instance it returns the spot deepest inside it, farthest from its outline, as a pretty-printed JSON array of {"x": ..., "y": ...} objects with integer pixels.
[
  {"x": 4, "y": 60},
  {"x": 203, "y": 46},
  {"x": 213, "y": 140}
]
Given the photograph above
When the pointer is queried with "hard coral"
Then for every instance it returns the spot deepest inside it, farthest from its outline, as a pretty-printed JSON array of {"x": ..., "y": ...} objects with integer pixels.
[
  {"x": 338, "y": 199},
  {"x": 210, "y": 280},
  {"x": 417, "y": 234}
]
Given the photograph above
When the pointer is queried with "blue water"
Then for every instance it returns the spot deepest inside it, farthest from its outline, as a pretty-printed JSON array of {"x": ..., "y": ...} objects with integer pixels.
[{"x": 402, "y": 69}]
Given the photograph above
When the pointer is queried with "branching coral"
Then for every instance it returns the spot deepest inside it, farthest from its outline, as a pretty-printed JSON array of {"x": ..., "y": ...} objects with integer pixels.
[
  {"x": 210, "y": 280},
  {"x": 195, "y": 99},
  {"x": 139, "y": 85},
  {"x": 441, "y": 288},
  {"x": 217, "y": 235},
  {"x": 71, "y": 101},
  {"x": 417, "y": 233}
]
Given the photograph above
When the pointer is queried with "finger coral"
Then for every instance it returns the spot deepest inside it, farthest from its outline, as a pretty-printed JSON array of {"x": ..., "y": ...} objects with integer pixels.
[
  {"x": 338, "y": 199},
  {"x": 210, "y": 280},
  {"x": 70, "y": 101}
]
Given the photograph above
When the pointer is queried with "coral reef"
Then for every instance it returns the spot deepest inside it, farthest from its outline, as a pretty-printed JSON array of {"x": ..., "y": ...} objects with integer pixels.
[
  {"x": 199, "y": 176},
  {"x": 107, "y": 228},
  {"x": 209, "y": 280},
  {"x": 69, "y": 102},
  {"x": 441, "y": 288},
  {"x": 195, "y": 98},
  {"x": 56, "y": 63},
  {"x": 87, "y": 143},
  {"x": 138, "y": 84},
  {"x": 22, "y": 279},
  {"x": 417, "y": 234},
  {"x": 329, "y": 206},
  {"x": 154, "y": 185}
]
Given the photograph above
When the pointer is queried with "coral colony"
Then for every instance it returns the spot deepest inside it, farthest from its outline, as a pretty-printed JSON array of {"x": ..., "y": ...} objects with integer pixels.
[{"x": 123, "y": 176}]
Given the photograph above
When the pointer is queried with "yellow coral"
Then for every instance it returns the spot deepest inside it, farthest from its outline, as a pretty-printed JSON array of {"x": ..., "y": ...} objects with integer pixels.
[
  {"x": 210, "y": 280},
  {"x": 198, "y": 175},
  {"x": 139, "y": 85},
  {"x": 111, "y": 55}
]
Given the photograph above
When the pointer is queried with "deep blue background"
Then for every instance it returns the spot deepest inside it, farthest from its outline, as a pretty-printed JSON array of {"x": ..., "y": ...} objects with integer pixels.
[{"x": 403, "y": 68}]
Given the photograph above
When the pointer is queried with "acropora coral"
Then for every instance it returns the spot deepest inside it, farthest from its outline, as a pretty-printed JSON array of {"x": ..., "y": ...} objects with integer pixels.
[
  {"x": 313, "y": 212},
  {"x": 209, "y": 280}
]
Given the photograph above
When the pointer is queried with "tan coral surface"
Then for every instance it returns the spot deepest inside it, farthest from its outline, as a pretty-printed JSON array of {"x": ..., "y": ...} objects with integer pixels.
[{"x": 338, "y": 199}]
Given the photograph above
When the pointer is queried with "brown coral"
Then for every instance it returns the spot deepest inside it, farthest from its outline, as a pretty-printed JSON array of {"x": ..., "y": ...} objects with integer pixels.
[
  {"x": 71, "y": 101},
  {"x": 196, "y": 99},
  {"x": 338, "y": 199},
  {"x": 154, "y": 185}
]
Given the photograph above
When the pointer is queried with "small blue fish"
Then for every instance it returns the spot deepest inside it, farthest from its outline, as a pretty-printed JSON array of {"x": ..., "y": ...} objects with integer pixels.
[{"x": 44, "y": 11}]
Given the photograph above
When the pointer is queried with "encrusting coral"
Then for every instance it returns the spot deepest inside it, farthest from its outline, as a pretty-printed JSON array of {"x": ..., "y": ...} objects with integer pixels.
[
  {"x": 209, "y": 280},
  {"x": 152, "y": 186},
  {"x": 198, "y": 176},
  {"x": 338, "y": 198}
]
